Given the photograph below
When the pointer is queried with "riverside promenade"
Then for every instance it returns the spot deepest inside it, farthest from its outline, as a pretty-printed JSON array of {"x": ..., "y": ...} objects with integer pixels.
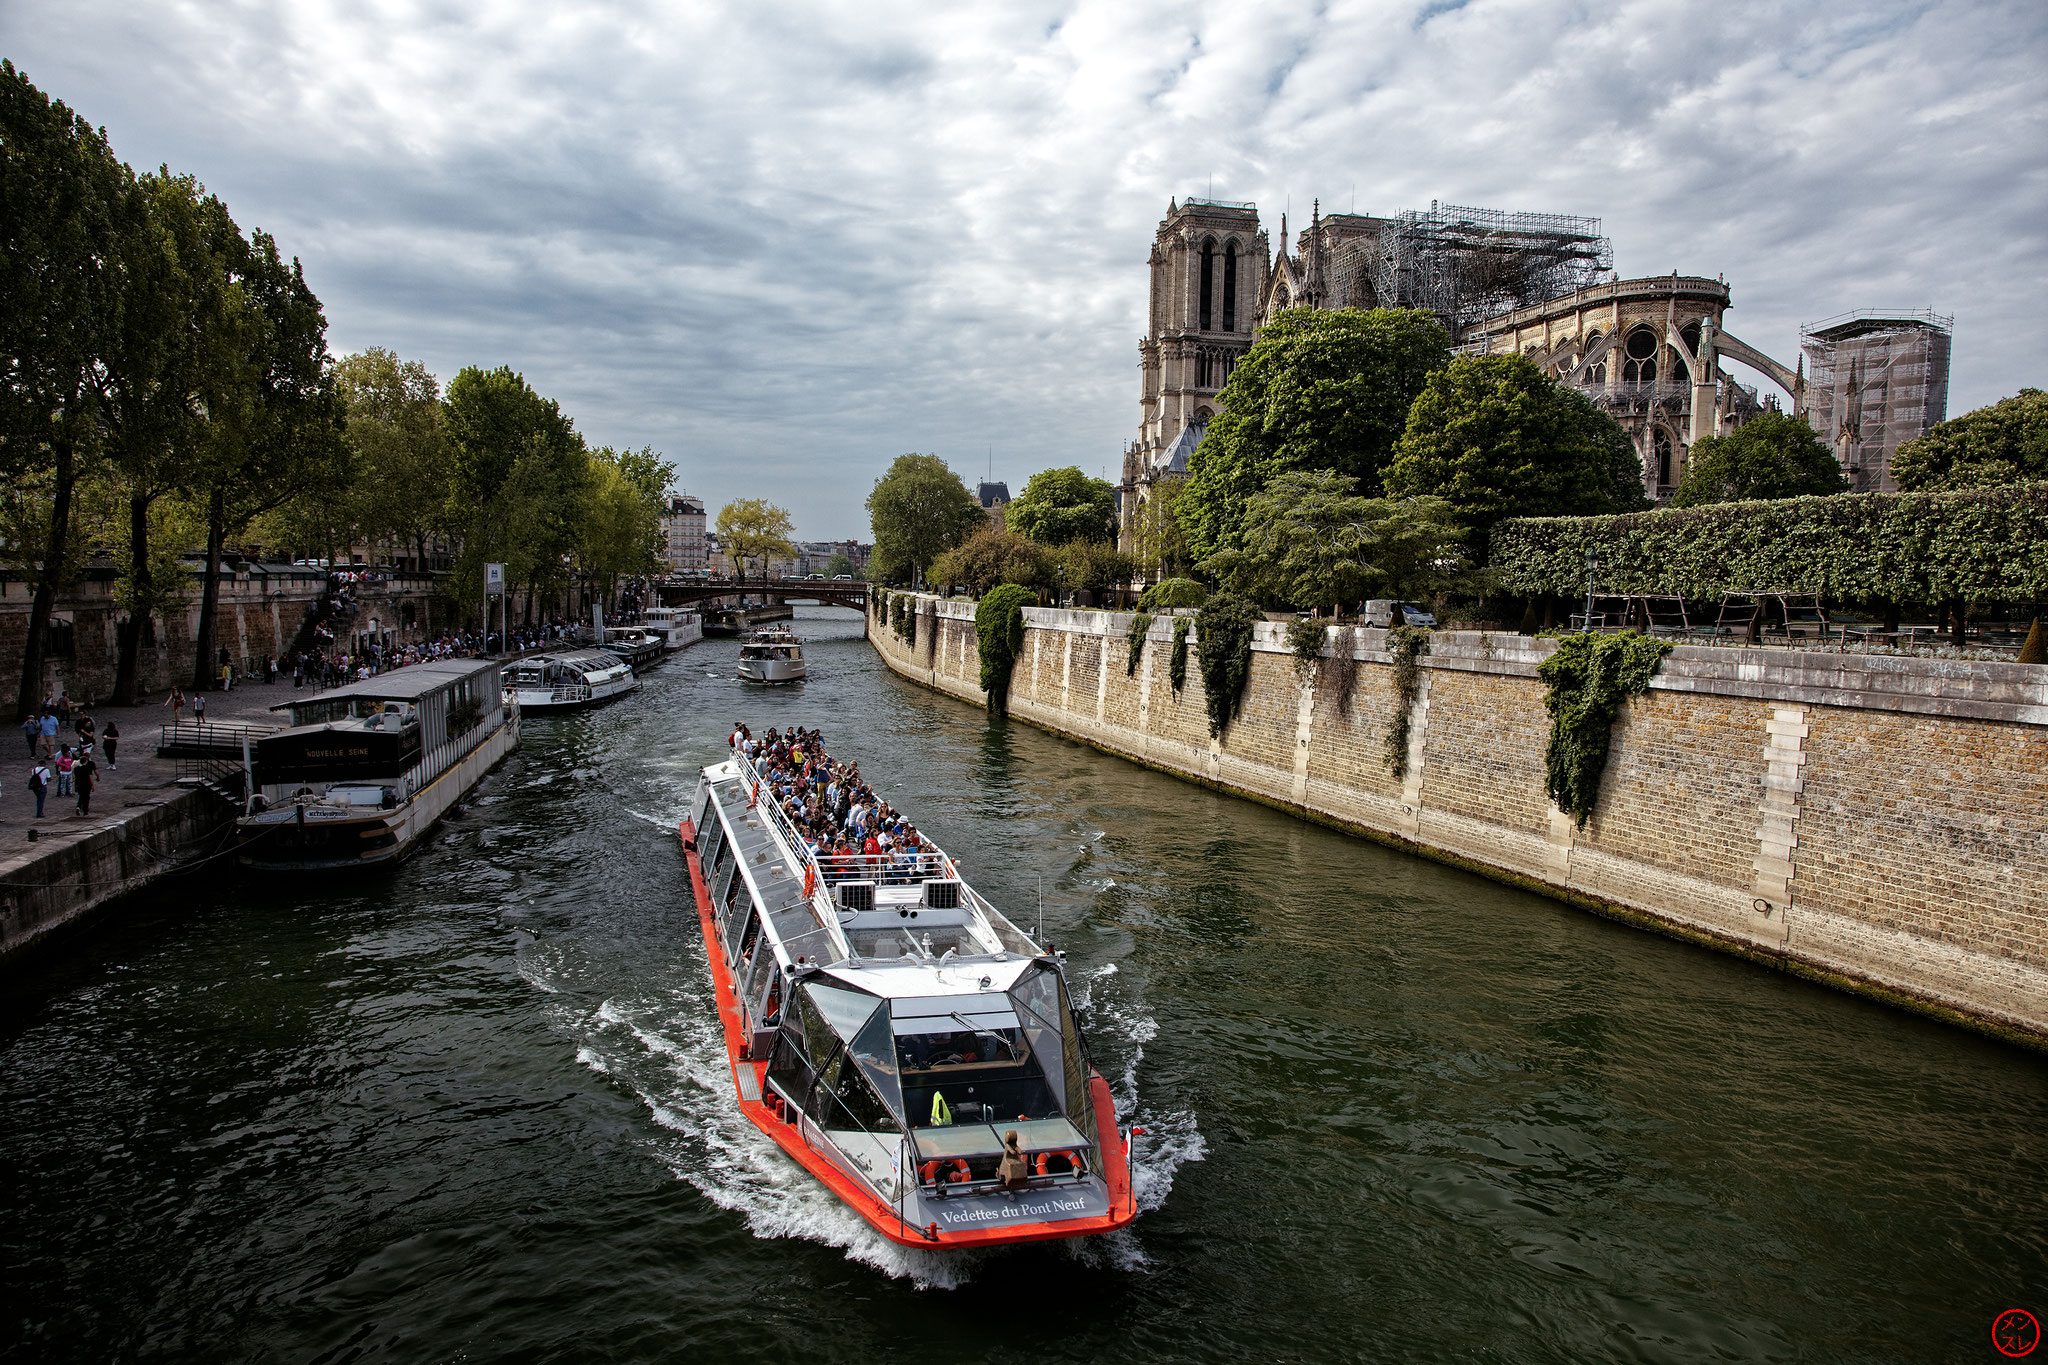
[{"x": 143, "y": 823}]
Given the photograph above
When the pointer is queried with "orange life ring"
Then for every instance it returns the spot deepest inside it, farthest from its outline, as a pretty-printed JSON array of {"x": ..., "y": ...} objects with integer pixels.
[
  {"x": 929, "y": 1172},
  {"x": 1068, "y": 1157}
]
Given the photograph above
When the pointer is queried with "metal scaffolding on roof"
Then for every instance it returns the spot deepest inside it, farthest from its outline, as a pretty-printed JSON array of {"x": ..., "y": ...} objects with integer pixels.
[
  {"x": 1875, "y": 380},
  {"x": 1466, "y": 264}
]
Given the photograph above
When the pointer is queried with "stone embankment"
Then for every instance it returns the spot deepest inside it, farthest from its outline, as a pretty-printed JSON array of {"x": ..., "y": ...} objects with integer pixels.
[{"x": 1880, "y": 823}]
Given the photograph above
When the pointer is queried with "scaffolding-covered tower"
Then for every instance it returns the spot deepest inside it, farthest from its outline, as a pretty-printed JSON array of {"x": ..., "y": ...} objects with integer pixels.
[
  {"x": 1469, "y": 264},
  {"x": 1875, "y": 380}
]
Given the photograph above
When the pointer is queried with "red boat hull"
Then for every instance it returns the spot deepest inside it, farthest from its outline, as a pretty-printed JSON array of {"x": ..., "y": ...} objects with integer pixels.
[{"x": 1109, "y": 1139}]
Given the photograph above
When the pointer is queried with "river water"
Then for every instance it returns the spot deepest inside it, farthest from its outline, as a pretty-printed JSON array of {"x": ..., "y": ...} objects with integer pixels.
[{"x": 479, "y": 1111}]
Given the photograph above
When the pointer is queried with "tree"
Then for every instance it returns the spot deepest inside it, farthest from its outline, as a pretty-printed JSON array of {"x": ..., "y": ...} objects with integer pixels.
[
  {"x": 282, "y": 436},
  {"x": 1319, "y": 389},
  {"x": 2004, "y": 443},
  {"x": 992, "y": 556},
  {"x": 1772, "y": 456},
  {"x": 63, "y": 198},
  {"x": 1311, "y": 541},
  {"x": 402, "y": 473},
  {"x": 1495, "y": 437},
  {"x": 1062, "y": 505},
  {"x": 754, "y": 528},
  {"x": 621, "y": 521},
  {"x": 918, "y": 510},
  {"x": 518, "y": 476},
  {"x": 1092, "y": 565},
  {"x": 839, "y": 566},
  {"x": 1158, "y": 543}
]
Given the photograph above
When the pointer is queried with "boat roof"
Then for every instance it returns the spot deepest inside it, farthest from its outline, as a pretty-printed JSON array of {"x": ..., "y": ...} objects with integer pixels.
[
  {"x": 576, "y": 658},
  {"x": 409, "y": 683}
]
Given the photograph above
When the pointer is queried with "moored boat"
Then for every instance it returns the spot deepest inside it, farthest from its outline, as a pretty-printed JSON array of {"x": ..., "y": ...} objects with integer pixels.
[
  {"x": 567, "y": 680},
  {"x": 676, "y": 627},
  {"x": 366, "y": 769},
  {"x": 772, "y": 654},
  {"x": 896, "y": 1035}
]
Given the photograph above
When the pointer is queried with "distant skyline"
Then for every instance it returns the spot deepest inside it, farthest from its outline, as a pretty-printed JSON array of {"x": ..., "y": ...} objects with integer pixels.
[{"x": 784, "y": 244}]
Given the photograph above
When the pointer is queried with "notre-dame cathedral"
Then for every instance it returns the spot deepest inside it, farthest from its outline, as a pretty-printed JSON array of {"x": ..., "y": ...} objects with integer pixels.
[{"x": 1647, "y": 350}]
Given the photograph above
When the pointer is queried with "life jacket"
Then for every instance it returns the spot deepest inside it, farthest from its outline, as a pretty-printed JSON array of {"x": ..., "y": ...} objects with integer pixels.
[{"x": 942, "y": 1113}]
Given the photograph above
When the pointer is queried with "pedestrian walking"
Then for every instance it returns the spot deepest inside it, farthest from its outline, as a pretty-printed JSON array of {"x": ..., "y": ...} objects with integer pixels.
[
  {"x": 49, "y": 732},
  {"x": 84, "y": 779},
  {"x": 176, "y": 701},
  {"x": 32, "y": 730},
  {"x": 65, "y": 763},
  {"x": 112, "y": 738},
  {"x": 39, "y": 786},
  {"x": 199, "y": 706}
]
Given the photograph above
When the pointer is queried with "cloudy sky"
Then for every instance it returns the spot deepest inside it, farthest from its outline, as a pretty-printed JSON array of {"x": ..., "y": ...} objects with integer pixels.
[{"x": 783, "y": 244}]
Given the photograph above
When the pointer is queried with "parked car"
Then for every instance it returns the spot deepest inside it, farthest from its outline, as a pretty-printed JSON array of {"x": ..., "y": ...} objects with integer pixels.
[{"x": 1382, "y": 612}]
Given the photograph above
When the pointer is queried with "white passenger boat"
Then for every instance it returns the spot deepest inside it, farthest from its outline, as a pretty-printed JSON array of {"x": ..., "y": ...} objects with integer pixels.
[
  {"x": 897, "y": 1036},
  {"x": 366, "y": 769},
  {"x": 676, "y": 627},
  {"x": 771, "y": 654},
  {"x": 566, "y": 680}
]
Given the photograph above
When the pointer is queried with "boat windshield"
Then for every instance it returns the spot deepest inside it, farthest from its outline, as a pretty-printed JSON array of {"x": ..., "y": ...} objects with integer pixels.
[{"x": 966, "y": 1059}]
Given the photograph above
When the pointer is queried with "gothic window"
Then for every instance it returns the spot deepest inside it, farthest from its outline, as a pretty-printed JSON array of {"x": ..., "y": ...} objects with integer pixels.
[
  {"x": 1690, "y": 334},
  {"x": 1208, "y": 280},
  {"x": 1230, "y": 287},
  {"x": 1663, "y": 447},
  {"x": 1640, "y": 367},
  {"x": 1205, "y": 370}
]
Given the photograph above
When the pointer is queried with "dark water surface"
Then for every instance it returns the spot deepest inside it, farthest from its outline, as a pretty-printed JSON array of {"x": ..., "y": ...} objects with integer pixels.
[{"x": 479, "y": 1111}]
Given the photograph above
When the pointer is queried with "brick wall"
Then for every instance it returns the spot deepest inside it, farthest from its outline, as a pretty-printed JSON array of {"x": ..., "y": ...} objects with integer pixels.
[{"x": 1880, "y": 823}]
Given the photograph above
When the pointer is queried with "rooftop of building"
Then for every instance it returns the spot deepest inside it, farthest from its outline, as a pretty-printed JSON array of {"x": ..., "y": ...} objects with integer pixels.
[
  {"x": 992, "y": 494},
  {"x": 1869, "y": 321}
]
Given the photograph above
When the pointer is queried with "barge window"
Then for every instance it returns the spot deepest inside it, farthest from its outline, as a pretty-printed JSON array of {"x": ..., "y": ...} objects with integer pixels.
[
  {"x": 751, "y": 936},
  {"x": 875, "y": 1053}
]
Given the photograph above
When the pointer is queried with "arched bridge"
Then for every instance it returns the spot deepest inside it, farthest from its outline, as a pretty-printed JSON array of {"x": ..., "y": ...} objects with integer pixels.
[{"x": 834, "y": 592}]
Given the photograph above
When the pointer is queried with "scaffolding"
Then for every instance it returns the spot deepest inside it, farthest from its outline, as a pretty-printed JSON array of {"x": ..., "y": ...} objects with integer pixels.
[
  {"x": 1469, "y": 264},
  {"x": 1875, "y": 379}
]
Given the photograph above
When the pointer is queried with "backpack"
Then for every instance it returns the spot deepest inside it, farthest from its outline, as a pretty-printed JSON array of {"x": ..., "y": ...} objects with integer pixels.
[{"x": 37, "y": 780}]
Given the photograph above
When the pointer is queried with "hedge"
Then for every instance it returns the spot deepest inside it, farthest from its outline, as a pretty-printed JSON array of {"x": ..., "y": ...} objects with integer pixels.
[{"x": 1982, "y": 544}]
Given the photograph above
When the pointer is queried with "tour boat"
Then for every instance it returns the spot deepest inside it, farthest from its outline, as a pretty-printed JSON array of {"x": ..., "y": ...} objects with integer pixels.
[
  {"x": 772, "y": 654},
  {"x": 366, "y": 769},
  {"x": 568, "y": 679},
  {"x": 676, "y": 627},
  {"x": 890, "y": 1029}
]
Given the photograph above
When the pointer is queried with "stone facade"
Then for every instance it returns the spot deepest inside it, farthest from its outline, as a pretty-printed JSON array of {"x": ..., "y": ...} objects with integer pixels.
[
  {"x": 1878, "y": 823},
  {"x": 682, "y": 535}
]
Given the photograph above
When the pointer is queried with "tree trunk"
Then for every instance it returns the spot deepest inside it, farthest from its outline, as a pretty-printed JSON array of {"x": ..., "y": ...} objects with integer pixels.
[
  {"x": 209, "y": 595},
  {"x": 45, "y": 599},
  {"x": 1958, "y": 622},
  {"x": 125, "y": 672}
]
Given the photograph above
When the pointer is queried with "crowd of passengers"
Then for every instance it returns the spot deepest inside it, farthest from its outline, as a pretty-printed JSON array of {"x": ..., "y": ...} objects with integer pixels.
[{"x": 853, "y": 833}]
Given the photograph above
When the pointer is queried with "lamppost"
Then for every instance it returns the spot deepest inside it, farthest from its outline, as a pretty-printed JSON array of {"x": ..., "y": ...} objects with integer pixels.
[
  {"x": 1592, "y": 566},
  {"x": 1059, "y": 585}
]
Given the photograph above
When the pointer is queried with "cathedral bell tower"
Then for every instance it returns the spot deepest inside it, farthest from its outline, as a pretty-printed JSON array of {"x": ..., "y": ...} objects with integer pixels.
[{"x": 1208, "y": 275}]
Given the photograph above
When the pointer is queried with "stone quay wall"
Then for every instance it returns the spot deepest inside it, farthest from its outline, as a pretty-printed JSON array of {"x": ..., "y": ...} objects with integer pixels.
[
  {"x": 1876, "y": 822},
  {"x": 262, "y": 609}
]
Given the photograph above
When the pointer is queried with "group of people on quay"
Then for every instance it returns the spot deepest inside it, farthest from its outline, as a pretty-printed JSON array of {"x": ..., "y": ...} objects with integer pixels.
[
  {"x": 852, "y": 834},
  {"x": 61, "y": 768}
]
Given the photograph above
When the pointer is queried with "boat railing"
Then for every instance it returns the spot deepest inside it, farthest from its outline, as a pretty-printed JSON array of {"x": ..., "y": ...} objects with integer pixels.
[{"x": 889, "y": 868}]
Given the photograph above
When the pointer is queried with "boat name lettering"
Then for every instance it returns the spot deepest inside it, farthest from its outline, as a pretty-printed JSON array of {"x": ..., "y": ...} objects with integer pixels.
[
  {"x": 347, "y": 751},
  {"x": 1003, "y": 1215}
]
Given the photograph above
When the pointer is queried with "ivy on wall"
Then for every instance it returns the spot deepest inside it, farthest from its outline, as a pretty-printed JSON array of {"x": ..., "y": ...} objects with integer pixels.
[
  {"x": 999, "y": 631},
  {"x": 1177, "y": 662},
  {"x": 1588, "y": 679},
  {"x": 1407, "y": 645},
  {"x": 1140, "y": 624},
  {"x": 1305, "y": 642},
  {"x": 1981, "y": 544},
  {"x": 1347, "y": 664},
  {"x": 1226, "y": 622}
]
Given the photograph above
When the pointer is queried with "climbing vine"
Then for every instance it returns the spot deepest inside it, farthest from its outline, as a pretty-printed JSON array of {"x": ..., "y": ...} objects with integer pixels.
[
  {"x": 1347, "y": 668},
  {"x": 1226, "y": 622},
  {"x": 1589, "y": 677},
  {"x": 1140, "y": 625},
  {"x": 1177, "y": 662},
  {"x": 999, "y": 632},
  {"x": 1407, "y": 645},
  {"x": 1305, "y": 639}
]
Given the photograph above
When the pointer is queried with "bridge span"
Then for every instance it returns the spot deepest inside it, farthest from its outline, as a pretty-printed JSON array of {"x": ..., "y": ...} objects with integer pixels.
[{"x": 833, "y": 592}]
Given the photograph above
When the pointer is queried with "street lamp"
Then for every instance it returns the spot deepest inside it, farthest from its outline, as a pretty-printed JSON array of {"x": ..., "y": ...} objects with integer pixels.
[{"x": 1592, "y": 566}]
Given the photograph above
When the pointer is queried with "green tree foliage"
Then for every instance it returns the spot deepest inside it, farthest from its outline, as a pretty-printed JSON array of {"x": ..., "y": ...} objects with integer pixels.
[
  {"x": 1311, "y": 541},
  {"x": 621, "y": 527},
  {"x": 839, "y": 566},
  {"x": 992, "y": 556},
  {"x": 1169, "y": 593},
  {"x": 1588, "y": 679},
  {"x": 518, "y": 478},
  {"x": 492, "y": 421},
  {"x": 1158, "y": 543},
  {"x": 402, "y": 469},
  {"x": 1225, "y": 624},
  {"x": 1320, "y": 389},
  {"x": 1060, "y": 506},
  {"x": 2002, "y": 444},
  {"x": 1495, "y": 437},
  {"x": 1092, "y": 565},
  {"x": 754, "y": 528},
  {"x": 1988, "y": 544},
  {"x": 918, "y": 511},
  {"x": 999, "y": 636},
  {"x": 1772, "y": 456},
  {"x": 64, "y": 198}
]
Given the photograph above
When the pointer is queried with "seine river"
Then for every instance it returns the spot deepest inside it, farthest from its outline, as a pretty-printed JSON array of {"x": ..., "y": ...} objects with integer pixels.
[{"x": 478, "y": 1111}]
